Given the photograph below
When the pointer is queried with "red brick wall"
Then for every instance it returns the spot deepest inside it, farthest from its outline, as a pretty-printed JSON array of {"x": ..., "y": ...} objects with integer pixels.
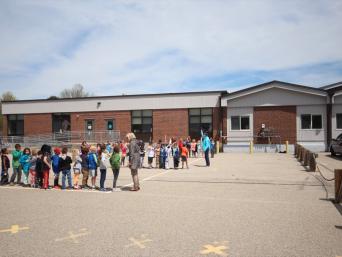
[
  {"x": 216, "y": 122},
  {"x": 281, "y": 118},
  {"x": 122, "y": 121},
  {"x": 170, "y": 123},
  {"x": 4, "y": 125},
  {"x": 35, "y": 124}
]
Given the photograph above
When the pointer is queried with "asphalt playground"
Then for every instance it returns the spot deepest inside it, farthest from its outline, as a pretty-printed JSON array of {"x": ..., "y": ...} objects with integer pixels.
[{"x": 260, "y": 205}]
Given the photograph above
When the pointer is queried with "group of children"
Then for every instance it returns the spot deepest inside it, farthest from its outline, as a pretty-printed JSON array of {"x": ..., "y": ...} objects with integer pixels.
[
  {"x": 35, "y": 166},
  {"x": 176, "y": 150}
]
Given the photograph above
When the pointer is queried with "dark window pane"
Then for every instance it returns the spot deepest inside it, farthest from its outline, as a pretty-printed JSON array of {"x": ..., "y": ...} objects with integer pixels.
[
  {"x": 147, "y": 121},
  {"x": 195, "y": 120},
  {"x": 235, "y": 123},
  {"x": 20, "y": 127},
  {"x": 316, "y": 121},
  {"x": 206, "y": 127},
  {"x": 12, "y": 117},
  {"x": 146, "y": 128},
  {"x": 89, "y": 125},
  {"x": 339, "y": 120},
  {"x": 136, "y": 128},
  {"x": 110, "y": 125},
  {"x": 60, "y": 122},
  {"x": 245, "y": 123},
  {"x": 195, "y": 111},
  {"x": 306, "y": 121},
  {"x": 20, "y": 117}
]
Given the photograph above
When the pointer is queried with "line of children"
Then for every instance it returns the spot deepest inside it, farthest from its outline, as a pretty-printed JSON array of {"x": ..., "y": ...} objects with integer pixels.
[{"x": 37, "y": 164}]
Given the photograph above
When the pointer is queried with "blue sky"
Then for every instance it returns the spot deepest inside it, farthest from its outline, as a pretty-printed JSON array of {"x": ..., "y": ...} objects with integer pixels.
[{"x": 115, "y": 47}]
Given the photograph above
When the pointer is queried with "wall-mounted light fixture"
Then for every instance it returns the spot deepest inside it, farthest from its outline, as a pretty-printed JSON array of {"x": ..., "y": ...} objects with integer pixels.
[{"x": 98, "y": 105}]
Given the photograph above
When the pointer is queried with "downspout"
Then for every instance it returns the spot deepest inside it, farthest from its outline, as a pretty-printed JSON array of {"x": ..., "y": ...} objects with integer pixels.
[{"x": 329, "y": 119}]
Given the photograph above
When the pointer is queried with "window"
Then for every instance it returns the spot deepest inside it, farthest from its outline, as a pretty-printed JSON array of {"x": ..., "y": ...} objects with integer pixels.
[
  {"x": 239, "y": 123},
  {"x": 110, "y": 124},
  {"x": 339, "y": 120},
  {"x": 142, "y": 124},
  {"x": 60, "y": 122},
  {"x": 200, "y": 119},
  {"x": 15, "y": 125},
  {"x": 309, "y": 121},
  {"x": 89, "y": 125}
]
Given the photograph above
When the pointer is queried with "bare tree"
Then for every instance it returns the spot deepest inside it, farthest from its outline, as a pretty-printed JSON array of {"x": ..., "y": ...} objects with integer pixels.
[
  {"x": 76, "y": 91},
  {"x": 6, "y": 96}
]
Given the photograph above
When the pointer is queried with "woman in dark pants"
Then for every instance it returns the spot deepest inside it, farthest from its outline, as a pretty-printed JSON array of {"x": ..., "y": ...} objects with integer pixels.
[{"x": 134, "y": 160}]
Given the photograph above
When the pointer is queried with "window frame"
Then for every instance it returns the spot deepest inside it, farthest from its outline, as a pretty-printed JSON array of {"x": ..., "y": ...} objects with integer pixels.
[
  {"x": 143, "y": 117},
  {"x": 16, "y": 120},
  {"x": 240, "y": 118},
  {"x": 307, "y": 114},
  {"x": 113, "y": 124},
  {"x": 198, "y": 115}
]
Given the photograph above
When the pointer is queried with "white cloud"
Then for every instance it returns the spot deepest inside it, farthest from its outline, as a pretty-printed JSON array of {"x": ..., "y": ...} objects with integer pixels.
[{"x": 154, "y": 46}]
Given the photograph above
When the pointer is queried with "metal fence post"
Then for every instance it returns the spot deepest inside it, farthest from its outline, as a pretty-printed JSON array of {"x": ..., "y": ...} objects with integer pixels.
[
  {"x": 338, "y": 185},
  {"x": 251, "y": 147}
]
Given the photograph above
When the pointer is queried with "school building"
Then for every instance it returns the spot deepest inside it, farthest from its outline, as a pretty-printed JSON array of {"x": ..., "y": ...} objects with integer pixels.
[{"x": 266, "y": 114}]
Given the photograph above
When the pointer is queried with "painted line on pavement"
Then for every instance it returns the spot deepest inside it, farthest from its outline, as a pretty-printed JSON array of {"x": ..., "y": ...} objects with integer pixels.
[
  {"x": 93, "y": 191},
  {"x": 161, "y": 173}
]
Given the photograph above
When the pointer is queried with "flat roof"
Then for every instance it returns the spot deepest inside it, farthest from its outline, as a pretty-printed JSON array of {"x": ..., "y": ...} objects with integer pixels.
[{"x": 221, "y": 92}]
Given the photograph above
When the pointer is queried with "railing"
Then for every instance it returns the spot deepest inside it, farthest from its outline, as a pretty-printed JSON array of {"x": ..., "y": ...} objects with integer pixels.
[
  {"x": 308, "y": 158},
  {"x": 69, "y": 137}
]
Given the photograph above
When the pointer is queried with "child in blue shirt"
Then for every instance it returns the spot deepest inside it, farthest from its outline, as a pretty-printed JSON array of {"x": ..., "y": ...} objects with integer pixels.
[
  {"x": 55, "y": 162},
  {"x": 25, "y": 164},
  {"x": 92, "y": 165}
]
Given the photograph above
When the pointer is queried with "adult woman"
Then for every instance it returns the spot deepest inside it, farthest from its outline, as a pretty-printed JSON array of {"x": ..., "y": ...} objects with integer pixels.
[{"x": 134, "y": 159}]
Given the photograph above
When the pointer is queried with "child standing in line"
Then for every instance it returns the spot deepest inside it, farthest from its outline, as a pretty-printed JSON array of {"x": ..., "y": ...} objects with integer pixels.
[
  {"x": 25, "y": 164},
  {"x": 142, "y": 153},
  {"x": 92, "y": 166},
  {"x": 162, "y": 157},
  {"x": 115, "y": 163},
  {"x": 55, "y": 161},
  {"x": 33, "y": 162},
  {"x": 157, "y": 153},
  {"x": 46, "y": 158},
  {"x": 16, "y": 154},
  {"x": 184, "y": 156},
  {"x": 65, "y": 167},
  {"x": 5, "y": 165},
  {"x": 77, "y": 168},
  {"x": 176, "y": 155},
  {"x": 103, "y": 169},
  {"x": 123, "y": 153},
  {"x": 199, "y": 149},
  {"x": 193, "y": 148},
  {"x": 39, "y": 170},
  {"x": 167, "y": 155},
  {"x": 150, "y": 155},
  {"x": 85, "y": 167}
]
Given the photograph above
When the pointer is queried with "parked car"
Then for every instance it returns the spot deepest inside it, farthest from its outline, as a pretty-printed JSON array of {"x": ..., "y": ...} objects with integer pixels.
[{"x": 336, "y": 146}]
